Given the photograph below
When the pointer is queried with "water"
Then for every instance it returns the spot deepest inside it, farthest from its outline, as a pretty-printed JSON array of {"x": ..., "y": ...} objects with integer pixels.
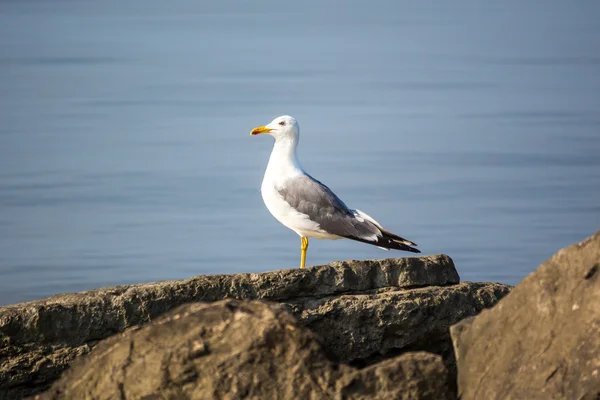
[{"x": 471, "y": 128}]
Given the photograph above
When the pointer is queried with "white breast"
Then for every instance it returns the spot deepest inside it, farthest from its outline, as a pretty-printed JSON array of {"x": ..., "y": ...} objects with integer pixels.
[
  {"x": 280, "y": 168},
  {"x": 288, "y": 216}
]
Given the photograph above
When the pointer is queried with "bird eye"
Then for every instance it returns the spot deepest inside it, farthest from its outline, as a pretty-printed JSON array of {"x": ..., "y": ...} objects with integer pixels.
[{"x": 282, "y": 123}]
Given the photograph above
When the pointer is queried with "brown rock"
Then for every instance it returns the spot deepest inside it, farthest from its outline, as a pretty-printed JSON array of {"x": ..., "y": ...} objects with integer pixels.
[
  {"x": 409, "y": 376},
  {"x": 364, "y": 328},
  {"x": 542, "y": 341},
  {"x": 237, "y": 350}
]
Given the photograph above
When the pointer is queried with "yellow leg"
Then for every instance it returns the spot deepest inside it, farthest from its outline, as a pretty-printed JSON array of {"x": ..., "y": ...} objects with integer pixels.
[{"x": 303, "y": 247}]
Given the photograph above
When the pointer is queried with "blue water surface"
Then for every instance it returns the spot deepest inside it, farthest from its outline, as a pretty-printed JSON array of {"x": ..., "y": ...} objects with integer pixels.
[{"x": 472, "y": 128}]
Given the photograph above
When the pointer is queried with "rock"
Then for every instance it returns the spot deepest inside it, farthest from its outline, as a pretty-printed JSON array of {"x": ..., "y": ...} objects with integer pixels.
[
  {"x": 234, "y": 350},
  {"x": 417, "y": 375},
  {"x": 364, "y": 328},
  {"x": 542, "y": 341},
  {"x": 39, "y": 339},
  {"x": 227, "y": 349},
  {"x": 79, "y": 318}
]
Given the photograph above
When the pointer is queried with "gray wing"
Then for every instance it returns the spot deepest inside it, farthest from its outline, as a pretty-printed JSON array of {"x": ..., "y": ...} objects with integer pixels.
[{"x": 309, "y": 196}]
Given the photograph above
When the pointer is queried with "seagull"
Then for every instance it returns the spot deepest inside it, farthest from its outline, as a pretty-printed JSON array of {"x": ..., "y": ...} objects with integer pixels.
[{"x": 308, "y": 207}]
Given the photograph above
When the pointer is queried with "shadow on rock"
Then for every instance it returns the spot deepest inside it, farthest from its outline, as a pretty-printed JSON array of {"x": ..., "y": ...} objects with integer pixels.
[{"x": 238, "y": 349}]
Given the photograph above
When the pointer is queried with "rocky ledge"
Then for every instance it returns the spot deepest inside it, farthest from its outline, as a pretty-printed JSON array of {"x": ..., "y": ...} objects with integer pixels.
[
  {"x": 347, "y": 330},
  {"x": 361, "y": 311}
]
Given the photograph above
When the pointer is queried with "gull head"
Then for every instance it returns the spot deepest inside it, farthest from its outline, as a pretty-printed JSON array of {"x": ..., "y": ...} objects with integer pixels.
[{"x": 284, "y": 127}]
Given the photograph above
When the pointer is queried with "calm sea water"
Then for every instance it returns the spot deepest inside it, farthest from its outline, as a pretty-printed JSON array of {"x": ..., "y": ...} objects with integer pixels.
[{"x": 472, "y": 128}]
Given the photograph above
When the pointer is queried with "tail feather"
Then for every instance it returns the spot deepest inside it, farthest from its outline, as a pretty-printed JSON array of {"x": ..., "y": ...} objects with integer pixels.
[{"x": 388, "y": 240}]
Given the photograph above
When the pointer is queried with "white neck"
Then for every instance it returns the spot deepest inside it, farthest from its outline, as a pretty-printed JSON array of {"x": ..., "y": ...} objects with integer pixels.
[{"x": 283, "y": 163}]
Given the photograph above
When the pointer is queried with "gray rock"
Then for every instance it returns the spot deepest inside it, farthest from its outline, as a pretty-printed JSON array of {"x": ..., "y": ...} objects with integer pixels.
[
  {"x": 364, "y": 328},
  {"x": 96, "y": 314},
  {"x": 39, "y": 339},
  {"x": 542, "y": 341},
  {"x": 237, "y": 350}
]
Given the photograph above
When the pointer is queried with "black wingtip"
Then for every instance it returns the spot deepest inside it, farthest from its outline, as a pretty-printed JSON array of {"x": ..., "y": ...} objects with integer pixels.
[
  {"x": 393, "y": 236},
  {"x": 402, "y": 246},
  {"x": 387, "y": 243}
]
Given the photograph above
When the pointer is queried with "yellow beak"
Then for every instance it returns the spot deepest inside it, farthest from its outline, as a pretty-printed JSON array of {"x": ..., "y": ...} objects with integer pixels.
[{"x": 260, "y": 129}]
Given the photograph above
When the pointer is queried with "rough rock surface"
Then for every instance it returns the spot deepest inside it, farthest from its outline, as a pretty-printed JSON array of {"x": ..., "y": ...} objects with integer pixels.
[
  {"x": 364, "y": 328},
  {"x": 542, "y": 341},
  {"x": 418, "y": 375},
  {"x": 359, "y": 299},
  {"x": 232, "y": 349}
]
